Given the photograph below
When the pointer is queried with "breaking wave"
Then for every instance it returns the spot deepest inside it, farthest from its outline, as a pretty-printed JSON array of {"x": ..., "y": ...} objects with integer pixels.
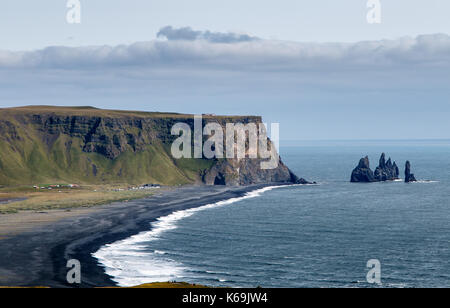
[{"x": 129, "y": 262}]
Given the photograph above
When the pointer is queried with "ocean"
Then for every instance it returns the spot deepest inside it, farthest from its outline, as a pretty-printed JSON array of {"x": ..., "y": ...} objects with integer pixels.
[{"x": 308, "y": 235}]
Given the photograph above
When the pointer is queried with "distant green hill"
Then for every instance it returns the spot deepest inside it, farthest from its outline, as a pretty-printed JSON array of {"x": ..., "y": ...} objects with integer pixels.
[{"x": 45, "y": 144}]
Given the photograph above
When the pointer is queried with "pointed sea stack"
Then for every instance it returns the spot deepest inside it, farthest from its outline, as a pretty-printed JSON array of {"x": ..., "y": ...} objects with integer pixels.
[
  {"x": 386, "y": 171},
  {"x": 363, "y": 173},
  {"x": 409, "y": 177}
]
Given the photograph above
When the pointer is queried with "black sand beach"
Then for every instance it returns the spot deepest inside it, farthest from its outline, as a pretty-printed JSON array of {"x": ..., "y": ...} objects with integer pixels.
[{"x": 38, "y": 257}]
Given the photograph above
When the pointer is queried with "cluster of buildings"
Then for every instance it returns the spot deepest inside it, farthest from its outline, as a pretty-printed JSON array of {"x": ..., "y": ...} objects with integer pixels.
[
  {"x": 55, "y": 186},
  {"x": 145, "y": 186},
  {"x": 59, "y": 186},
  {"x": 142, "y": 187}
]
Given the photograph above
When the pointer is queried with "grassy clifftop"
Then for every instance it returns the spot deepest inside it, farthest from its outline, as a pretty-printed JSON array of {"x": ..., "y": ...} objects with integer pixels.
[
  {"x": 44, "y": 144},
  {"x": 96, "y": 112},
  {"x": 85, "y": 145}
]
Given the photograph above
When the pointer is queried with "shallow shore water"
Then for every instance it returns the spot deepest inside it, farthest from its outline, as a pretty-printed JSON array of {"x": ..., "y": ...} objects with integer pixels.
[{"x": 38, "y": 256}]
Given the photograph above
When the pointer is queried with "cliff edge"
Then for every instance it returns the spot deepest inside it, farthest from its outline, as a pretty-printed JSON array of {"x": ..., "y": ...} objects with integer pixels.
[{"x": 45, "y": 144}]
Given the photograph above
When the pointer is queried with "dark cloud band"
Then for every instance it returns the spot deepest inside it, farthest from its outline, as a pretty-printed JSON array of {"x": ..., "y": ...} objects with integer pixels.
[
  {"x": 188, "y": 34},
  {"x": 185, "y": 49}
]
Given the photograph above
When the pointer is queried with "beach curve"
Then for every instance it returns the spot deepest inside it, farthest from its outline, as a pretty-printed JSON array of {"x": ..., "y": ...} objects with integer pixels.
[{"x": 39, "y": 256}]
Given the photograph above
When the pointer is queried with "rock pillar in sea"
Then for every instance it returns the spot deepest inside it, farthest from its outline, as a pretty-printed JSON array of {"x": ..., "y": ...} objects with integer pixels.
[
  {"x": 363, "y": 173},
  {"x": 409, "y": 177},
  {"x": 386, "y": 171}
]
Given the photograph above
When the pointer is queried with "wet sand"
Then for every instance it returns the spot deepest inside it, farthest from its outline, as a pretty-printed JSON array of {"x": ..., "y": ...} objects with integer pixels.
[{"x": 35, "y": 247}]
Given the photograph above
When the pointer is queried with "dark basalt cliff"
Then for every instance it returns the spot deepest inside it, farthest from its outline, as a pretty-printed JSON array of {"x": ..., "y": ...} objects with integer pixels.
[
  {"x": 247, "y": 171},
  {"x": 88, "y": 145},
  {"x": 386, "y": 171}
]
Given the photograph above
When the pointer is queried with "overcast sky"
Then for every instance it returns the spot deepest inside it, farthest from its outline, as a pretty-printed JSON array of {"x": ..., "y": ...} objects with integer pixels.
[{"x": 316, "y": 67}]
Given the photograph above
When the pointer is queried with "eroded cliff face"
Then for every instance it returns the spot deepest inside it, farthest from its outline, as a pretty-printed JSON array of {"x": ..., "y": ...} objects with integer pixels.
[
  {"x": 248, "y": 171},
  {"x": 104, "y": 135},
  {"x": 88, "y": 145}
]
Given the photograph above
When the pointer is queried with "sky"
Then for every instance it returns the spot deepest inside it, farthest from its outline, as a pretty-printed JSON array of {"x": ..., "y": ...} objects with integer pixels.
[{"x": 316, "y": 67}]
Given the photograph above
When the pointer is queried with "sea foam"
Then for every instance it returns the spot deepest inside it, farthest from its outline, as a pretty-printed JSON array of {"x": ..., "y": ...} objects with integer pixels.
[{"x": 130, "y": 262}]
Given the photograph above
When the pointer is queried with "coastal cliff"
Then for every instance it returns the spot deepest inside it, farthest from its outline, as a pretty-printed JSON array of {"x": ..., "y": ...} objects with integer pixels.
[{"x": 44, "y": 144}]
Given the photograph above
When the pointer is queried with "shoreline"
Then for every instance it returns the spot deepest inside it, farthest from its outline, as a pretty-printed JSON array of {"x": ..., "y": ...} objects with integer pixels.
[
  {"x": 111, "y": 256},
  {"x": 37, "y": 257}
]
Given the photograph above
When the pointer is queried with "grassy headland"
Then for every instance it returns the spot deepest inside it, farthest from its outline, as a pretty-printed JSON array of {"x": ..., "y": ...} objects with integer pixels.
[
  {"x": 85, "y": 145},
  {"x": 99, "y": 149}
]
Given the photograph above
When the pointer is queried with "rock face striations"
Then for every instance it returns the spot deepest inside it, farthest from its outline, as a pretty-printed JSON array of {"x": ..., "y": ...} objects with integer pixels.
[
  {"x": 409, "y": 177},
  {"x": 85, "y": 145},
  {"x": 386, "y": 171}
]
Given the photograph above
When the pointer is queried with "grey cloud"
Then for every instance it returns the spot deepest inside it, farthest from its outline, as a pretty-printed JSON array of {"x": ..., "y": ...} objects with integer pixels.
[
  {"x": 188, "y": 34},
  {"x": 179, "y": 34},
  {"x": 328, "y": 88},
  {"x": 254, "y": 55}
]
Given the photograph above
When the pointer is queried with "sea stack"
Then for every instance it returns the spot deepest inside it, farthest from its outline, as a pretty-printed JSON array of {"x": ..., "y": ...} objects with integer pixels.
[
  {"x": 363, "y": 173},
  {"x": 409, "y": 177},
  {"x": 386, "y": 171}
]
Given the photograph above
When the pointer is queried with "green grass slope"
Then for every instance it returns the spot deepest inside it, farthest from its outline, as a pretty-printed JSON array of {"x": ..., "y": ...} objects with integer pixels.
[{"x": 92, "y": 146}]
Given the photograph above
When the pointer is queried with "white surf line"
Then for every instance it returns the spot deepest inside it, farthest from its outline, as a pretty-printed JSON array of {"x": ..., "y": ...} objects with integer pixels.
[{"x": 130, "y": 263}]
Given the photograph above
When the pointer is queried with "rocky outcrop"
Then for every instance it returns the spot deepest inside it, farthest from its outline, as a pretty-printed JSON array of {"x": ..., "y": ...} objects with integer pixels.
[
  {"x": 247, "y": 171},
  {"x": 409, "y": 177},
  {"x": 363, "y": 173},
  {"x": 386, "y": 171}
]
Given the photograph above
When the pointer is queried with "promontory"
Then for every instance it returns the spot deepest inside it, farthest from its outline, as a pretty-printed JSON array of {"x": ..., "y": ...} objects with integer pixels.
[{"x": 86, "y": 145}]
